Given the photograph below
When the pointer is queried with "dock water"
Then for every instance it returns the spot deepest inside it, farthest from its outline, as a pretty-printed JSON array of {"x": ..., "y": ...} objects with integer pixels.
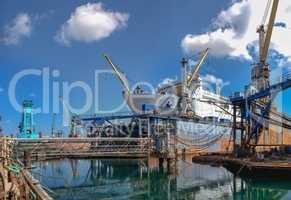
[{"x": 106, "y": 178}]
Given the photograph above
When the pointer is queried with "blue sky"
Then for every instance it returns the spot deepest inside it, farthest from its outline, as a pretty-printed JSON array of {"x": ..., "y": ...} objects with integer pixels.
[{"x": 146, "y": 45}]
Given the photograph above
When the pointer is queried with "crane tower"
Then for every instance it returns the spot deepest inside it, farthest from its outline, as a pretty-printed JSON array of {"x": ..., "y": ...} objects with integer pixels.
[{"x": 26, "y": 127}]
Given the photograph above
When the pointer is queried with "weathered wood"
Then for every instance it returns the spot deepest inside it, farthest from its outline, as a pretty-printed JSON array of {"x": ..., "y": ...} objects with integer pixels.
[
  {"x": 35, "y": 186},
  {"x": 18, "y": 185}
]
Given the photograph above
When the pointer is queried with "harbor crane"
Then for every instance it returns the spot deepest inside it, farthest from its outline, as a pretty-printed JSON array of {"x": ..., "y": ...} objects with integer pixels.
[
  {"x": 120, "y": 76},
  {"x": 255, "y": 105},
  {"x": 138, "y": 100},
  {"x": 261, "y": 71},
  {"x": 195, "y": 69},
  {"x": 189, "y": 83}
]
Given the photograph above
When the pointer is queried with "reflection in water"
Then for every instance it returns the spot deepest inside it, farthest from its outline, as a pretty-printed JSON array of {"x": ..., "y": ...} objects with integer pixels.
[
  {"x": 264, "y": 190},
  {"x": 133, "y": 179}
]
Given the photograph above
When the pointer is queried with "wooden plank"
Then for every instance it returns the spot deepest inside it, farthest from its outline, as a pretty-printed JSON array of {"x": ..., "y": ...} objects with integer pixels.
[{"x": 35, "y": 186}]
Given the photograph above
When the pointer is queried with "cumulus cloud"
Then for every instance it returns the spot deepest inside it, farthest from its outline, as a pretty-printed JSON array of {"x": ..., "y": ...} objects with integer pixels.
[
  {"x": 209, "y": 78},
  {"x": 167, "y": 81},
  {"x": 234, "y": 31},
  {"x": 18, "y": 29},
  {"x": 91, "y": 22}
]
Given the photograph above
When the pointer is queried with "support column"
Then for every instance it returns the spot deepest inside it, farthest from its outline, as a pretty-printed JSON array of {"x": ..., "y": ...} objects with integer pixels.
[
  {"x": 242, "y": 117},
  {"x": 149, "y": 127},
  {"x": 234, "y": 130},
  {"x": 140, "y": 127}
]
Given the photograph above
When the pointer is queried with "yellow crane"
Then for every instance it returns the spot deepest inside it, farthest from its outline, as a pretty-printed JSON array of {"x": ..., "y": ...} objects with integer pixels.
[
  {"x": 266, "y": 36},
  {"x": 261, "y": 71},
  {"x": 196, "y": 68}
]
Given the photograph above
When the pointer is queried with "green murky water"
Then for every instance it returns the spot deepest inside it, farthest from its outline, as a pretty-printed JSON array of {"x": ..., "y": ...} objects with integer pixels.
[{"x": 138, "y": 179}]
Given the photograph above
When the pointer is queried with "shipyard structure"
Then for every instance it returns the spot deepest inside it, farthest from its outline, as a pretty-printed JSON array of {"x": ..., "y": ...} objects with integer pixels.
[{"x": 243, "y": 133}]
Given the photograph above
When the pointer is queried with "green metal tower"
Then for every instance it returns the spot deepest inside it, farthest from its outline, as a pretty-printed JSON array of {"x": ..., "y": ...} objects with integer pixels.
[{"x": 26, "y": 127}]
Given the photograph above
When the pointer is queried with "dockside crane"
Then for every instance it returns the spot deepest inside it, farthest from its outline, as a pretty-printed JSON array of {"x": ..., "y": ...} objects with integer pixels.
[
  {"x": 119, "y": 74},
  {"x": 261, "y": 75},
  {"x": 188, "y": 78},
  {"x": 195, "y": 69},
  {"x": 255, "y": 105},
  {"x": 261, "y": 71}
]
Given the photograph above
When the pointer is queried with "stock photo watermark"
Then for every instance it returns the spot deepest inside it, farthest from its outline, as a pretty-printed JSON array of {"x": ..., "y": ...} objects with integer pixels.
[{"x": 57, "y": 95}]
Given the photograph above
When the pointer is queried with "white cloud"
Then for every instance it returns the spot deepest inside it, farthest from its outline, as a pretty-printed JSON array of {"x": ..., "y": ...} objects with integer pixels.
[
  {"x": 167, "y": 81},
  {"x": 19, "y": 28},
  {"x": 213, "y": 83},
  {"x": 209, "y": 78},
  {"x": 235, "y": 30},
  {"x": 91, "y": 22}
]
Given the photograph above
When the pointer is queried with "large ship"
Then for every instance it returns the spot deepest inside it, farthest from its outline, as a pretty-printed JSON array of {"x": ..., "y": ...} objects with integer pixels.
[{"x": 184, "y": 98}]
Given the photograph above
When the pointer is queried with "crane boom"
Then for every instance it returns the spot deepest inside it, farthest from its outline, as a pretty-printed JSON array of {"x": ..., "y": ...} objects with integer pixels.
[
  {"x": 197, "y": 67},
  {"x": 119, "y": 74},
  {"x": 269, "y": 31}
]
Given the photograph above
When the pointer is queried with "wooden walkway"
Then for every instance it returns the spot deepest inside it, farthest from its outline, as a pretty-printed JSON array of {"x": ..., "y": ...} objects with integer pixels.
[{"x": 15, "y": 181}]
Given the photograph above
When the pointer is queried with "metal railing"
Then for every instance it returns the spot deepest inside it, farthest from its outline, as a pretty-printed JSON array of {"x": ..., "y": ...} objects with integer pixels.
[
  {"x": 53, "y": 148},
  {"x": 286, "y": 76}
]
